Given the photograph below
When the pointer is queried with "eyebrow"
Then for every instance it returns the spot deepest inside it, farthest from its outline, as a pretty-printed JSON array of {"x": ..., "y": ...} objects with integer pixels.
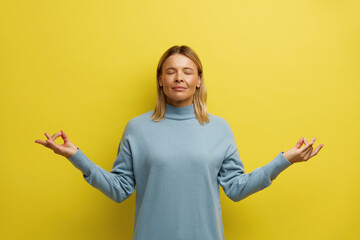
[{"x": 183, "y": 68}]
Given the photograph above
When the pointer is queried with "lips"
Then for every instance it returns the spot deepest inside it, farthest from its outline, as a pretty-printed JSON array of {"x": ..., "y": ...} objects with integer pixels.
[{"x": 179, "y": 88}]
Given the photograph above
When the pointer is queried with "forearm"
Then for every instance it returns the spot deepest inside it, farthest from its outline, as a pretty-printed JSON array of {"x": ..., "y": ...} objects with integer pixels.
[
  {"x": 244, "y": 185},
  {"x": 114, "y": 186}
]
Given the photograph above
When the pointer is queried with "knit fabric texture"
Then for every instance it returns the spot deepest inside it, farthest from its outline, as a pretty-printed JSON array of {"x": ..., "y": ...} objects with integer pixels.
[{"x": 177, "y": 166}]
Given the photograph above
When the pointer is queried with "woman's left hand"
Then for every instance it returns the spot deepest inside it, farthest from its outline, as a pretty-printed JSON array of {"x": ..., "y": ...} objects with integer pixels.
[{"x": 297, "y": 154}]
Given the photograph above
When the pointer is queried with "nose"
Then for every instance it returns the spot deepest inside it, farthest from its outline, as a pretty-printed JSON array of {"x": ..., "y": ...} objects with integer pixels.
[{"x": 179, "y": 78}]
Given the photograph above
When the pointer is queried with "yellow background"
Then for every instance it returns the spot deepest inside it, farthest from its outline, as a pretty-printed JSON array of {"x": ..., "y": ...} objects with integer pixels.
[{"x": 275, "y": 70}]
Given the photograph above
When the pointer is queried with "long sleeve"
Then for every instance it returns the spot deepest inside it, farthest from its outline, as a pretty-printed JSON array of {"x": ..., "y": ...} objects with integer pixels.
[
  {"x": 236, "y": 183},
  {"x": 119, "y": 183}
]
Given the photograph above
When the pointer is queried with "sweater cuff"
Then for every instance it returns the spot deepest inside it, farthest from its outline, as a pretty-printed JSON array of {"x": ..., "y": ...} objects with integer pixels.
[
  {"x": 81, "y": 162},
  {"x": 276, "y": 166}
]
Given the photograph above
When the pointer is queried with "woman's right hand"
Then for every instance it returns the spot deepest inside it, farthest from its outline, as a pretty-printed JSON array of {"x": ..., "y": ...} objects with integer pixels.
[{"x": 67, "y": 149}]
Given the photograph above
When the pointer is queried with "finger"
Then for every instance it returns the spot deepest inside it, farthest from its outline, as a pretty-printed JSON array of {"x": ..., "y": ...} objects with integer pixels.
[
  {"x": 64, "y": 136},
  {"x": 45, "y": 144},
  {"x": 55, "y": 136},
  {"x": 299, "y": 143},
  {"x": 47, "y": 135},
  {"x": 52, "y": 144},
  {"x": 305, "y": 144},
  {"x": 308, "y": 145},
  {"x": 41, "y": 142},
  {"x": 312, "y": 140},
  {"x": 305, "y": 153},
  {"x": 308, "y": 153},
  {"x": 315, "y": 152}
]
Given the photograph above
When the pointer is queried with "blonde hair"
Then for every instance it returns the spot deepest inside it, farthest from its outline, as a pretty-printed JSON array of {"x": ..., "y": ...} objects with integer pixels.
[{"x": 200, "y": 95}]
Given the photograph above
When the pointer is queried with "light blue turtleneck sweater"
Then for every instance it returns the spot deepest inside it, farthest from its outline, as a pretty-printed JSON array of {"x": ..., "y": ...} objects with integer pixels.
[{"x": 177, "y": 165}]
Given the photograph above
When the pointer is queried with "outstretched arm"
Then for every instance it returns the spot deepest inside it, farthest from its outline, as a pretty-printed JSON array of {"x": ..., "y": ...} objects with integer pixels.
[
  {"x": 118, "y": 184},
  {"x": 238, "y": 185}
]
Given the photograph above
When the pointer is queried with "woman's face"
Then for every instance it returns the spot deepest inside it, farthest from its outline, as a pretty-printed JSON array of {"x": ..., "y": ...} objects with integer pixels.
[{"x": 179, "y": 79}]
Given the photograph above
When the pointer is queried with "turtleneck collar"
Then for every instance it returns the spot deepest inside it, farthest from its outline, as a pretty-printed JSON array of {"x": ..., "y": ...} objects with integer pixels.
[{"x": 179, "y": 113}]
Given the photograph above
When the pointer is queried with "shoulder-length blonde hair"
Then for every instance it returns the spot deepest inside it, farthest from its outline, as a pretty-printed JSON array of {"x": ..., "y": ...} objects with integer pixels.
[{"x": 199, "y": 99}]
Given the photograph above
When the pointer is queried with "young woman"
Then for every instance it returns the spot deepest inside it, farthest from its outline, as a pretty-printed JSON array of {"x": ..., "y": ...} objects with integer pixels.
[{"x": 177, "y": 156}]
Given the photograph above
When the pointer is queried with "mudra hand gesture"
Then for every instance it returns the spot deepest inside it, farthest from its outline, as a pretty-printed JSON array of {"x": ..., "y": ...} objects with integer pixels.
[
  {"x": 297, "y": 154},
  {"x": 67, "y": 149}
]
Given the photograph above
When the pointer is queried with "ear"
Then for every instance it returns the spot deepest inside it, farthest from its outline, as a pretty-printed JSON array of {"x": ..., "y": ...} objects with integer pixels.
[
  {"x": 199, "y": 82},
  {"x": 160, "y": 82}
]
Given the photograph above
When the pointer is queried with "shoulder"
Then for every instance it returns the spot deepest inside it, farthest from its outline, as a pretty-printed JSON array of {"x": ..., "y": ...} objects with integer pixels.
[
  {"x": 220, "y": 123},
  {"x": 218, "y": 120},
  {"x": 139, "y": 121},
  {"x": 145, "y": 117}
]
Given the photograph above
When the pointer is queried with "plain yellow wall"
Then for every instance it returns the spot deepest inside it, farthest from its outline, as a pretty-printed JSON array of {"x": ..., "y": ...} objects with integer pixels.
[{"x": 275, "y": 70}]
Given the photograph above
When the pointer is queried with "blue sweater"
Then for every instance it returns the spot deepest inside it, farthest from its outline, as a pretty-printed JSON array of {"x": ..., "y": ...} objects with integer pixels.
[{"x": 177, "y": 165}]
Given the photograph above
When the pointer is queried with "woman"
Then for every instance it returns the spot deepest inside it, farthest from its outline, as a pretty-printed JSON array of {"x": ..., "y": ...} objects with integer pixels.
[{"x": 177, "y": 156}]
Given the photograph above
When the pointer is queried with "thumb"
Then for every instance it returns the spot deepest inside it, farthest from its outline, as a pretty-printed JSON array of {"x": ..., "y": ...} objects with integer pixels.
[{"x": 299, "y": 143}]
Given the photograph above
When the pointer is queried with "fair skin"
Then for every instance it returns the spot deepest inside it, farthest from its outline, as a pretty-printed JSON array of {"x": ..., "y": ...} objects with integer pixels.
[
  {"x": 179, "y": 80},
  {"x": 67, "y": 149}
]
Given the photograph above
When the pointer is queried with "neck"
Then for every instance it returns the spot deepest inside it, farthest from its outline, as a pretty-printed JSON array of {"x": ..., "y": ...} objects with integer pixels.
[
  {"x": 179, "y": 113},
  {"x": 183, "y": 103}
]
